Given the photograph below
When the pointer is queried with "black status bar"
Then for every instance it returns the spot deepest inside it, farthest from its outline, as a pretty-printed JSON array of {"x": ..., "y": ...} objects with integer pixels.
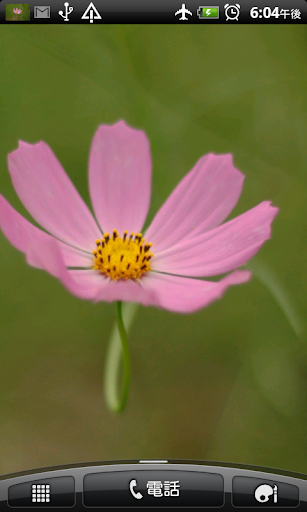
[{"x": 156, "y": 11}]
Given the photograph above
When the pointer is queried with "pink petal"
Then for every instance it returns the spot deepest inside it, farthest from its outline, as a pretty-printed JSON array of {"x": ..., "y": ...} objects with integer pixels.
[
  {"x": 87, "y": 284},
  {"x": 127, "y": 291},
  {"x": 23, "y": 235},
  {"x": 184, "y": 295},
  {"x": 170, "y": 292},
  {"x": 222, "y": 249},
  {"x": 90, "y": 284},
  {"x": 181, "y": 295},
  {"x": 48, "y": 194},
  {"x": 201, "y": 201},
  {"x": 53, "y": 262},
  {"x": 120, "y": 177}
]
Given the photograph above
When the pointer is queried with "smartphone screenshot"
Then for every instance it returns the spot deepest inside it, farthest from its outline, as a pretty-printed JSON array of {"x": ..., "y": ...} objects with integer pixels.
[{"x": 153, "y": 249}]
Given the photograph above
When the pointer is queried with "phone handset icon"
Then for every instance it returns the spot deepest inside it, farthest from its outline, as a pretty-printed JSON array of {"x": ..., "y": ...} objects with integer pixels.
[{"x": 136, "y": 495}]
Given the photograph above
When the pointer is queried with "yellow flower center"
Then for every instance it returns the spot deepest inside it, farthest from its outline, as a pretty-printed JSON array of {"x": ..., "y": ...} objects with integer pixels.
[{"x": 122, "y": 258}]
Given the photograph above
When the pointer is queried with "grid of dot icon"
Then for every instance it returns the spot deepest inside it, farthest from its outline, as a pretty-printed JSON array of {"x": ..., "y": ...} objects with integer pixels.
[{"x": 40, "y": 493}]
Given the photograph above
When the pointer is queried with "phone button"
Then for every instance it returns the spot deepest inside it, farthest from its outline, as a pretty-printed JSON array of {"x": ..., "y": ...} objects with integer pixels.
[
  {"x": 256, "y": 492},
  {"x": 153, "y": 488}
]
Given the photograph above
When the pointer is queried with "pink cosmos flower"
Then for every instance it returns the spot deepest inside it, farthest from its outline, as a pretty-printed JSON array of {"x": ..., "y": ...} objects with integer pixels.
[
  {"x": 17, "y": 11},
  {"x": 111, "y": 260}
]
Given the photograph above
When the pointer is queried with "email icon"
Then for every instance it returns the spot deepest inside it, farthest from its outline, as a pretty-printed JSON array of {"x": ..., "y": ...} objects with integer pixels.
[{"x": 42, "y": 11}]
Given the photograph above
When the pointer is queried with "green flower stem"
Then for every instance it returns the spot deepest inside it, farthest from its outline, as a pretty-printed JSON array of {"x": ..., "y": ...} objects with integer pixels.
[{"x": 117, "y": 353}]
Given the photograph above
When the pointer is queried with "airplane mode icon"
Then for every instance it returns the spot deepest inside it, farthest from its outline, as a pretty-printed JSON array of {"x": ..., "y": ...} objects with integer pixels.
[{"x": 183, "y": 11}]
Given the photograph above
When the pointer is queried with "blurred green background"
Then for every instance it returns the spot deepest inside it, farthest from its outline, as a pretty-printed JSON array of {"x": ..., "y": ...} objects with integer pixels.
[{"x": 228, "y": 383}]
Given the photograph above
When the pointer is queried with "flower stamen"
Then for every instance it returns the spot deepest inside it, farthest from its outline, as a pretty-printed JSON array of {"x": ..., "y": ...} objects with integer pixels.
[{"x": 122, "y": 258}]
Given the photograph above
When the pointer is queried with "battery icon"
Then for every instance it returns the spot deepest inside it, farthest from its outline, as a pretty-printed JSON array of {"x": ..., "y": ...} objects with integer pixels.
[{"x": 208, "y": 12}]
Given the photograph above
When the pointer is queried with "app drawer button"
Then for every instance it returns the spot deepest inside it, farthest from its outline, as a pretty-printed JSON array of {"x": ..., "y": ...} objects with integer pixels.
[{"x": 48, "y": 492}]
